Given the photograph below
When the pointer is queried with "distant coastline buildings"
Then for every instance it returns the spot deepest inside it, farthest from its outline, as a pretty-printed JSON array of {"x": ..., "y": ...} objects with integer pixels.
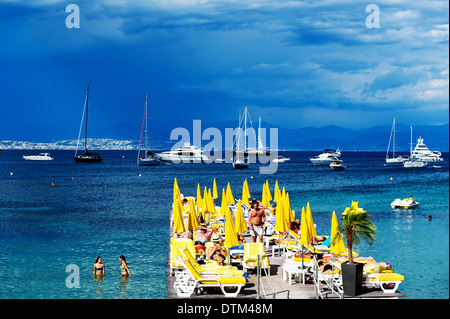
[{"x": 98, "y": 144}]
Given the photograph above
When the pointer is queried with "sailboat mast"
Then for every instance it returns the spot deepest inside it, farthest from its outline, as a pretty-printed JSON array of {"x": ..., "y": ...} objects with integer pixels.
[
  {"x": 259, "y": 136},
  {"x": 85, "y": 134},
  {"x": 393, "y": 144},
  {"x": 245, "y": 130},
  {"x": 410, "y": 147},
  {"x": 146, "y": 117}
]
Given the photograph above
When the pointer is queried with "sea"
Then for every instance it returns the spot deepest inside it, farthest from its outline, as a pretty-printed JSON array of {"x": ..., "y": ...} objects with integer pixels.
[{"x": 50, "y": 236}]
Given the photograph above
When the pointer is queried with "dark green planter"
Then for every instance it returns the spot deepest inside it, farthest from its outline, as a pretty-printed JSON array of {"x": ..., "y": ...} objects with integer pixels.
[{"x": 352, "y": 278}]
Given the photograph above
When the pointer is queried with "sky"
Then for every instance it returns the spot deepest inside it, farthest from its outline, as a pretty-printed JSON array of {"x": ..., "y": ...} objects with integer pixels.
[{"x": 294, "y": 63}]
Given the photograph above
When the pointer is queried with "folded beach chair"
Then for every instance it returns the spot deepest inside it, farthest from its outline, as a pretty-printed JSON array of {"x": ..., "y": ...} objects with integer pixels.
[
  {"x": 332, "y": 278},
  {"x": 388, "y": 282},
  {"x": 211, "y": 268},
  {"x": 251, "y": 250},
  {"x": 175, "y": 245},
  {"x": 194, "y": 281}
]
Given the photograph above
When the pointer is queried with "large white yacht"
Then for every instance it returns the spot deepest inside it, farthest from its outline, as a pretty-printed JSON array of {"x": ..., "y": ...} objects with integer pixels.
[
  {"x": 326, "y": 158},
  {"x": 186, "y": 153},
  {"x": 421, "y": 152},
  {"x": 40, "y": 157}
]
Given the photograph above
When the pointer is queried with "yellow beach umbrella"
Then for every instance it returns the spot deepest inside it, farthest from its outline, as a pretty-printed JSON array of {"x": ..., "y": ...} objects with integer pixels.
[
  {"x": 230, "y": 232},
  {"x": 211, "y": 205},
  {"x": 241, "y": 225},
  {"x": 192, "y": 223},
  {"x": 199, "y": 201},
  {"x": 229, "y": 195},
  {"x": 215, "y": 193},
  {"x": 288, "y": 209},
  {"x": 224, "y": 205},
  {"x": 205, "y": 200},
  {"x": 265, "y": 199},
  {"x": 245, "y": 193},
  {"x": 305, "y": 237},
  {"x": 176, "y": 189},
  {"x": 269, "y": 195},
  {"x": 312, "y": 228},
  {"x": 281, "y": 224},
  {"x": 178, "y": 220},
  {"x": 276, "y": 192},
  {"x": 337, "y": 244}
]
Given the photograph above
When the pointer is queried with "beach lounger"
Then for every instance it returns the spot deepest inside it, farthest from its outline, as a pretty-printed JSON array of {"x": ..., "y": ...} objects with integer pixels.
[
  {"x": 194, "y": 281},
  {"x": 211, "y": 268},
  {"x": 251, "y": 250},
  {"x": 388, "y": 282},
  {"x": 175, "y": 245}
]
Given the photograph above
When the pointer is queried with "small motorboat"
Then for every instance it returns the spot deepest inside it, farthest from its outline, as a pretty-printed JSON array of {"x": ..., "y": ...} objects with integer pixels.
[
  {"x": 404, "y": 203},
  {"x": 337, "y": 165},
  {"x": 281, "y": 159}
]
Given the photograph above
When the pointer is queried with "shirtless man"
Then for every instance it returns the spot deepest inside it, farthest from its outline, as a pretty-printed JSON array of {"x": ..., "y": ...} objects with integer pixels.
[
  {"x": 203, "y": 235},
  {"x": 256, "y": 219}
]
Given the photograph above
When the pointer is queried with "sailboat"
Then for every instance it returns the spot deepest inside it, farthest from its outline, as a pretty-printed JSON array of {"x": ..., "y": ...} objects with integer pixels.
[
  {"x": 86, "y": 157},
  {"x": 411, "y": 162},
  {"x": 260, "y": 150},
  {"x": 149, "y": 158},
  {"x": 393, "y": 160},
  {"x": 240, "y": 160}
]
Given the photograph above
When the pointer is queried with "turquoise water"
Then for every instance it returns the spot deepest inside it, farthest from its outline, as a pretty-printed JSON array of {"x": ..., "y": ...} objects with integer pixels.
[{"x": 107, "y": 210}]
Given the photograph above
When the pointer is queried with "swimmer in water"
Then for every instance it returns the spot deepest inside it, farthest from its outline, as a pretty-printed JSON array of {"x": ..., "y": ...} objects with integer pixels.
[
  {"x": 124, "y": 267},
  {"x": 99, "y": 267}
]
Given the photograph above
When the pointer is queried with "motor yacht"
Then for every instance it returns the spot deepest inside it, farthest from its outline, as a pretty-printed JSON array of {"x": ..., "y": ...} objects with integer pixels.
[
  {"x": 40, "y": 157},
  {"x": 326, "y": 158},
  {"x": 421, "y": 152},
  {"x": 186, "y": 153},
  {"x": 281, "y": 159}
]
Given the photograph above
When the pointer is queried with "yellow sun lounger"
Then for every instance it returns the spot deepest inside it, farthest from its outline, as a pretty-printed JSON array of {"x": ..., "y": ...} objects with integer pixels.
[
  {"x": 211, "y": 269},
  {"x": 186, "y": 286},
  {"x": 175, "y": 244},
  {"x": 251, "y": 250},
  {"x": 387, "y": 282}
]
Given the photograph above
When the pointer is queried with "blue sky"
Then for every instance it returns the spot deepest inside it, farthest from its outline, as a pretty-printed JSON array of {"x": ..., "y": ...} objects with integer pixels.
[{"x": 295, "y": 63}]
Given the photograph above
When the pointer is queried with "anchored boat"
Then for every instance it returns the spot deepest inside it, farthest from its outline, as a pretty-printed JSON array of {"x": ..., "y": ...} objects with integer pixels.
[
  {"x": 86, "y": 157},
  {"x": 149, "y": 158}
]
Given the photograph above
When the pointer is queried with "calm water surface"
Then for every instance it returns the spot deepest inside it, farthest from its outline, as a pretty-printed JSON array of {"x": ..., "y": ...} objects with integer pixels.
[{"x": 117, "y": 208}]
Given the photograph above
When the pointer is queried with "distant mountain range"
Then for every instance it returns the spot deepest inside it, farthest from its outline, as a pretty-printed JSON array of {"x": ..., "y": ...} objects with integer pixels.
[{"x": 302, "y": 139}]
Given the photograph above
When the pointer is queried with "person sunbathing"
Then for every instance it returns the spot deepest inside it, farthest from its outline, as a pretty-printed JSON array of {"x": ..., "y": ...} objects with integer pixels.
[
  {"x": 217, "y": 252},
  {"x": 203, "y": 234}
]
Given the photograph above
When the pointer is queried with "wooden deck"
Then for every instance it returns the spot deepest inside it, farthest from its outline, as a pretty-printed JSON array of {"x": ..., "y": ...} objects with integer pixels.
[{"x": 274, "y": 287}]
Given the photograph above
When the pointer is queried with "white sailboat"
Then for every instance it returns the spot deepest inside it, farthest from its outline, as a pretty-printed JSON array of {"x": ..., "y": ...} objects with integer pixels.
[
  {"x": 412, "y": 162},
  {"x": 149, "y": 158},
  {"x": 260, "y": 150},
  {"x": 393, "y": 160},
  {"x": 240, "y": 160},
  {"x": 87, "y": 156}
]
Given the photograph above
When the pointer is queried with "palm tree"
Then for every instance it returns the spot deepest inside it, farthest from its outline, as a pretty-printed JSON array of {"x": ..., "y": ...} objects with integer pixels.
[{"x": 357, "y": 225}]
